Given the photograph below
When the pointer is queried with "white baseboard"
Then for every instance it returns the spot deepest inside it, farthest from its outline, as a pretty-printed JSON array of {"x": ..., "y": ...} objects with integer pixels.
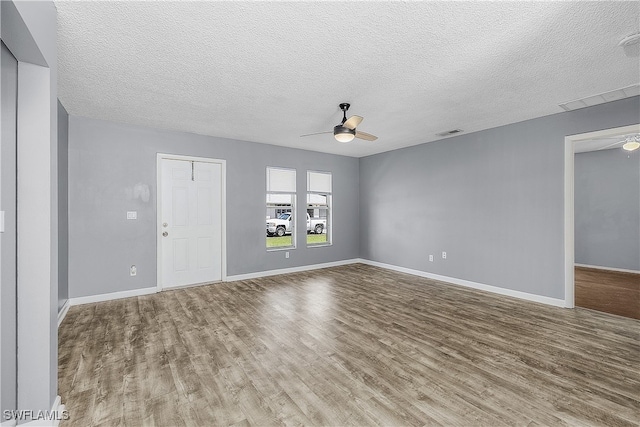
[
  {"x": 54, "y": 416},
  {"x": 290, "y": 270},
  {"x": 469, "y": 284},
  {"x": 597, "y": 267},
  {"x": 60, "y": 409},
  {"x": 112, "y": 295},
  {"x": 8, "y": 423},
  {"x": 63, "y": 311},
  {"x": 146, "y": 291},
  {"x": 495, "y": 289}
]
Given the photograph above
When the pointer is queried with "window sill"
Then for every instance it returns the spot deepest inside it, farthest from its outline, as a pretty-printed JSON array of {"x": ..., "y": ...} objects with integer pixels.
[
  {"x": 281, "y": 248},
  {"x": 319, "y": 245}
]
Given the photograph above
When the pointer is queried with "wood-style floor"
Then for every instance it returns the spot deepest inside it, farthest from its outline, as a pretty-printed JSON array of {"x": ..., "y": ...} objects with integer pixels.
[
  {"x": 609, "y": 291},
  {"x": 351, "y": 345}
]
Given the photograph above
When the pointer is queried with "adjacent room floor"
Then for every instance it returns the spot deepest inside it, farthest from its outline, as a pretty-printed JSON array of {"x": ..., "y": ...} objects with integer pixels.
[
  {"x": 609, "y": 291},
  {"x": 351, "y": 345}
]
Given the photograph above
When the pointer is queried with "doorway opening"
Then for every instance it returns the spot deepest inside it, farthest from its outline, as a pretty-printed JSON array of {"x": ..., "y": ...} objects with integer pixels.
[{"x": 574, "y": 144}]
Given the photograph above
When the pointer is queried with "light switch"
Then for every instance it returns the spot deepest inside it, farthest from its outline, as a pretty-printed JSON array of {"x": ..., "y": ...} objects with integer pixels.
[{"x": 132, "y": 215}]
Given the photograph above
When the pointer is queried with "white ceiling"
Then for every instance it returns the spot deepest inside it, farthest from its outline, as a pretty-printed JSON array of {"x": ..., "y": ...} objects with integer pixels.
[{"x": 271, "y": 71}]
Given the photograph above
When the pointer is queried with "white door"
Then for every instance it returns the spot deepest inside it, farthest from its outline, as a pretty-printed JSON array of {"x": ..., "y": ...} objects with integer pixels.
[{"x": 191, "y": 222}]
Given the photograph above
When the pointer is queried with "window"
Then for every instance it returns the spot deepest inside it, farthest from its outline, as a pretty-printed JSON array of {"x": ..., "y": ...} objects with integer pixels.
[
  {"x": 318, "y": 208},
  {"x": 281, "y": 196}
]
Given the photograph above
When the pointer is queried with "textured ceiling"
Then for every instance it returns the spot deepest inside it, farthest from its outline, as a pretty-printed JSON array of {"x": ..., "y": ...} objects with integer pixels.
[{"x": 271, "y": 71}]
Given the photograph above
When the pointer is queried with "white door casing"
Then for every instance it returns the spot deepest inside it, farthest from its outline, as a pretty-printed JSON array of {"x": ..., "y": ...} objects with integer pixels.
[
  {"x": 570, "y": 143},
  {"x": 190, "y": 221}
]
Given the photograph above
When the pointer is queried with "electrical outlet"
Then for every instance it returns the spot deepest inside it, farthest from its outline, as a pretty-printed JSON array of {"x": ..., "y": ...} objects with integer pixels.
[
  {"x": 286, "y": 254},
  {"x": 133, "y": 270},
  {"x": 431, "y": 258},
  {"x": 444, "y": 255}
]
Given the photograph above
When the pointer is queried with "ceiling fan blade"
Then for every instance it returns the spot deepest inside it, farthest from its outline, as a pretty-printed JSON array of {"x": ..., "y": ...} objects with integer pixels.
[
  {"x": 317, "y": 133},
  {"x": 367, "y": 136},
  {"x": 353, "y": 122},
  {"x": 612, "y": 145}
]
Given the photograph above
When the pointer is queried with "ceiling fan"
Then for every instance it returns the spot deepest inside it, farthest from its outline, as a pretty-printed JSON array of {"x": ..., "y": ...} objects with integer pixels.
[
  {"x": 346, "y": 130},
  {"x": 629, "y": 143}
]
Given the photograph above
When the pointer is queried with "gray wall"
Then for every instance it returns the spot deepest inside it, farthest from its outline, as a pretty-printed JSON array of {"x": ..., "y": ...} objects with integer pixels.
[
  {"x": 106, "y": 160},
  {"x": 63, "y": 206},
  {"x": 607, "y": 209},
  {"x": 8, "y": 326},
  {"x": 493, "y": 200}
]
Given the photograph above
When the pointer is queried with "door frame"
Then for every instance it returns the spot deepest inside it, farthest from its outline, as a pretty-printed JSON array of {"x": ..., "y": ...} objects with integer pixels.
[
  {"x": 570, "y": 142},
  {"x": 223, "y": 182}
]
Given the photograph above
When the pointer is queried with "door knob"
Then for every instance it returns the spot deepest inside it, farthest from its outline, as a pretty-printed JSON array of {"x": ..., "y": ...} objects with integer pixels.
[{"x": 165, "y": 234}]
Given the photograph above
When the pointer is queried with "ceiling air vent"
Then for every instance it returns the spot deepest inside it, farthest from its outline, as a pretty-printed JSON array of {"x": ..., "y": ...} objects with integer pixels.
[
  {"x": 450, "y": 132},
  {"x": 601, "y": 98}
]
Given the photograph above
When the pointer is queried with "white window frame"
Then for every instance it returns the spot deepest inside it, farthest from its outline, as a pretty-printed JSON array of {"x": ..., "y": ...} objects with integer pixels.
[
  {"x": 292, "y": 195},
  {"x": 329, "y": 208}
]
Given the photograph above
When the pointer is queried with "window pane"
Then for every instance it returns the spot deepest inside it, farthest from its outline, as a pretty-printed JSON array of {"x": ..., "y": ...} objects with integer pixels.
[
  {"x": 279, "y": 199},
  {"x": 316, "y": 199},
  {"x": 318, "y": 232},
  {"x": 280, "y": 222},
  {"x": 318, "y": 224},
  {"x": 318, "y": 208},
  {"x": 319, "y": 182},
  {"x": 281, "y": 180}
]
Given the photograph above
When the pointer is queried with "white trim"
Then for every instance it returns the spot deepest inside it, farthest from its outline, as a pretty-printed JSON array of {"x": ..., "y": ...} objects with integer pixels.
[
  {"x": 267, "y": 273},
  {"x": 569, "y": 172},
  {"x": 281, "y": 248},
  {"x": 57, "y": 407},
  {"x": 605, "y": 133},
  {"x": 599, "y": 267},
  {"x": 35, "y": 235},
  {"x": 151, "y": 290},
  {"x": 318, "y": 245},
  {"x": 223, "y": 195},
  {"x": 63, "y": 312},
  {"x": 466, "y": 283},
  {"x": 112, "y": 295},
  {"x": 569, "y": 250}
]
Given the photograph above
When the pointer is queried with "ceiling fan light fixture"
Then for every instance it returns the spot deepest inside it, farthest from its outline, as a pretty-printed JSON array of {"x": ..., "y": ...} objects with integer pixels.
[
  {"x": 344, "y": 134},
  {"x": 633, "y": 143},
  {"x": 631, "y": 146}
]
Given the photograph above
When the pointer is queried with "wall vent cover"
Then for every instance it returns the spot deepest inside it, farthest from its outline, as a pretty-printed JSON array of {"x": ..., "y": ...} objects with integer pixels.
[
  {"x": 601, "y": 98},
  {"x": 450, "y": 132}
]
